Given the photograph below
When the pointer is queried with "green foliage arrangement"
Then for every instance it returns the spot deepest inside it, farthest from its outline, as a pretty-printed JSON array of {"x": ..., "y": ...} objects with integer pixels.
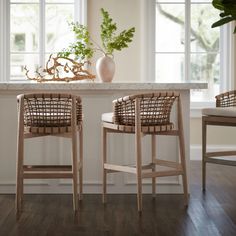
[
  {"x": 110, "y": 40},
  {"x": 84, "y": 46},
  {"x": 228, "y": 12}
]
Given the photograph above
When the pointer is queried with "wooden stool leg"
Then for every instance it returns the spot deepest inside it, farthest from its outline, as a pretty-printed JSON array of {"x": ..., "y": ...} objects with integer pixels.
[
  {"x": 75, "y": 171},
  {"x": 104, "y": 160},
  {"x": 183, "y": 163},
  {"x": 154, "y": 166},
  {"x": 74, "y": 155},
  {"x": 182, "y": 152},
  {"x": 19, "y": 180},
  {"x": 81, "y": 163},
  {"x": 20, "y": 156},
  {"x": 139, "y": 170},
  {"x": 204, "y": 134},
  {"x": 138, "y": 149}
]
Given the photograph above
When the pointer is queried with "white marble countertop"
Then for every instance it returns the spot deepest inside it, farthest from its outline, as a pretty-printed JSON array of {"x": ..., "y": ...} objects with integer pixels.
[{"x": 28, "y": 85}]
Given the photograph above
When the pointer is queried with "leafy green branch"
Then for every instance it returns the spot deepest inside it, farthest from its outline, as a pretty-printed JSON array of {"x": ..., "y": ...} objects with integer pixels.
[
  {"x": 110, "y": 40},
  {"x": 228, "y": 12},
  {"x": 84, "y": 46}
]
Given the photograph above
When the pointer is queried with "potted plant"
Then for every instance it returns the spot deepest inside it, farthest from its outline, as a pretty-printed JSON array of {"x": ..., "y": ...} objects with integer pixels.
[
  {"x": 228, "y": 12},
  {"x": 85, "y": 46}
]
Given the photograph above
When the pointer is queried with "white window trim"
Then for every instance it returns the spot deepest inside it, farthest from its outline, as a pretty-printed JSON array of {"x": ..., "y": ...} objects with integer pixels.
[
  {"x": 80, "y": 16},
  {"x": 147, "y": 40},
  {"x": 228, "y": 73},
  {"x": 4, "y": 41},
  {"x": 228, "y": 53}
]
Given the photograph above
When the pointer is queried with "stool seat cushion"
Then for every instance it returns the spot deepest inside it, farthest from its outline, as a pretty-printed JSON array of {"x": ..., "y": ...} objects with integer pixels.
[
  {"x": 220, "y": 111},
  {"x": 108, "y": 117}
]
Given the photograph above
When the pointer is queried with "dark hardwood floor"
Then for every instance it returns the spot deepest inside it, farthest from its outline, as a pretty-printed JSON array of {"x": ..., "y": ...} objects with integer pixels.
[{"x": 212, "y": 213}]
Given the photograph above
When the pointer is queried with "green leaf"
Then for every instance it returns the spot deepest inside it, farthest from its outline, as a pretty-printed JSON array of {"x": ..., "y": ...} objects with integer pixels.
[
  {"x": 222, "y": 22},
  {"x": 228, "y": 11},
  {"x": 81, "y": 49},
  {"x": 218, "y": 4},
  {"x": 110, "y": 39},
  {"x": 224, "y": 14}
]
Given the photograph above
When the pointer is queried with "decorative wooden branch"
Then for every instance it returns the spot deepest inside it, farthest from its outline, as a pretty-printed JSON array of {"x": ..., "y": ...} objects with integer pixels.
[{"x": 61, "y": 69}]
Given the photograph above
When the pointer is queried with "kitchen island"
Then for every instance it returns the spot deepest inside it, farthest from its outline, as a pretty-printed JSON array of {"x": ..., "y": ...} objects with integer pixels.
[{"x": 96, "y": 99}]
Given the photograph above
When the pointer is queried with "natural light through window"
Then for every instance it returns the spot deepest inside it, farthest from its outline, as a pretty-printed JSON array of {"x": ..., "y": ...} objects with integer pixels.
[
  {"x": 187, "y": 48},
  {"x": 37, "y": 29}
]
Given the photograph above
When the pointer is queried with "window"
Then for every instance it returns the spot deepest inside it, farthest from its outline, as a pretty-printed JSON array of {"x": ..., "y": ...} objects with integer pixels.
[
  {"x": 187, "y": 48},
  {"x": 37, "y": 28}
]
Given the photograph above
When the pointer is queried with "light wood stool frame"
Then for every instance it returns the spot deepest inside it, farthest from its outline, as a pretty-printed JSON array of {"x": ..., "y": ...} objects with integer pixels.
[
  {"x": 139, "y": 130},
  {"x": 50, "y": 171},
  {"x": 227, "y": 99}
]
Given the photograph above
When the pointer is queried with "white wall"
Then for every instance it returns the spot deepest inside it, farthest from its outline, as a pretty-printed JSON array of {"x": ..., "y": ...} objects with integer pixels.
[
  {"x": 216, "y": 135},
  {"x": 126, "y": 13}
]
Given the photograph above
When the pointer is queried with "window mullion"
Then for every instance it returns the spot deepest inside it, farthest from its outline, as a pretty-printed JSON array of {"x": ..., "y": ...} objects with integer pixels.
[
  {"x": 187, "y": 45},
  {"x": 80, "y": 11},
  {"x": 2, "y": 21},
  {"x": 5, "y": 40},
  {"x": 227, "y": 57},
  {"x": 42, "y": 33},
  {"x": 231, "y": 66}
]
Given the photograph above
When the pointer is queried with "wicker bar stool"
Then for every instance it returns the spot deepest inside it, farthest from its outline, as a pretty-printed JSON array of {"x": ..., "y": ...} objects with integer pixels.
[
  {"x": 145, "y": 114},
  {"x": 224, "y": 114},
  {"x": 55, "y": 115}
]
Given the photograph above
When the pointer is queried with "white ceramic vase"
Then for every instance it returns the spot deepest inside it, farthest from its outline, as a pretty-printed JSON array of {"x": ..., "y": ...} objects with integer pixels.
[{"x": 105, "y": 67}]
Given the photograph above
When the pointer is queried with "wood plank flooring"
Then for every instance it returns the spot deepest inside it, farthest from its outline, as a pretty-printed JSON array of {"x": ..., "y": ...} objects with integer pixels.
[{"x": 212, "y": 213}]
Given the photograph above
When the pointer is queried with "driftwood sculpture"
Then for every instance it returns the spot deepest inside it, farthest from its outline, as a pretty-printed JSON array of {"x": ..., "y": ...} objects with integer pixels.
[{"x": 61, "y": 69}]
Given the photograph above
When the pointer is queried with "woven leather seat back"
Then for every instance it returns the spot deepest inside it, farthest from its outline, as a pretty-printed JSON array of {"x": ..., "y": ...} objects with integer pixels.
[
  {"x": 155, "y": 108},
  {"x": 227, "y": 99},
  {"x": 50, "y": 110}
]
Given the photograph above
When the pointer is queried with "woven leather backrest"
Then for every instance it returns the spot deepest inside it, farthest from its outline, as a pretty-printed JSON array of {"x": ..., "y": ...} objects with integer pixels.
[
  {"x": 155, "y": 108},
  {"x": 227, "y": 99},
  {"x": 50, "y": 110}
]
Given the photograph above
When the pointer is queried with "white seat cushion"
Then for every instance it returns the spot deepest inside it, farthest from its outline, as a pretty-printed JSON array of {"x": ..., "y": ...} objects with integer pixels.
[
  {"x": 107, "y": 117},
  {"x": 220, "y": 111}
]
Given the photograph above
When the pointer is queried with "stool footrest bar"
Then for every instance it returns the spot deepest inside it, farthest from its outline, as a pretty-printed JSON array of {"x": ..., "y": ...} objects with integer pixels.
[
  {"x": 47, "y": 168},
  {"x": 220, "y": 161},
  {"x": 162, "y": 173},
  {"x": 120, "y": 168},
  {"x": 47, "y": 175}
]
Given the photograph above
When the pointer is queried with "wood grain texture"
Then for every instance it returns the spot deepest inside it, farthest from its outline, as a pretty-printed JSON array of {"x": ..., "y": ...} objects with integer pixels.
[{"x": 211, "y": 213}]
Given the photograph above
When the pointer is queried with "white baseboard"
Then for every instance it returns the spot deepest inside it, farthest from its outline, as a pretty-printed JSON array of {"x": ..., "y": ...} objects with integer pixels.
[
  {"x": 172, "y": 188},
  {"x": 196, "y": 150},
  {"x": 92, "y": 187}
]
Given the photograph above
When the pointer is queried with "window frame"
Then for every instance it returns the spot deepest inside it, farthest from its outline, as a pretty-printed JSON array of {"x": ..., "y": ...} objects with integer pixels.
[
  {"x": 80, "y": 15},
  {"x": 227, "y": 51}
]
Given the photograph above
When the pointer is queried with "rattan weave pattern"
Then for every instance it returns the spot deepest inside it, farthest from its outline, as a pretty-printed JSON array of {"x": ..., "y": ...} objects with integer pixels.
[
  {"x": 155, "y": 109},
  {"x": 50, "y": 110},
  {"x": 227, "y": 99}
]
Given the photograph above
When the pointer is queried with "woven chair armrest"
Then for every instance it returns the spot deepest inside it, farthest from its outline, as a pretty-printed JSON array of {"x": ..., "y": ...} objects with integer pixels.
[
  {"x": 50, "y": 95},
  {"x": 146, "y": 95}
]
